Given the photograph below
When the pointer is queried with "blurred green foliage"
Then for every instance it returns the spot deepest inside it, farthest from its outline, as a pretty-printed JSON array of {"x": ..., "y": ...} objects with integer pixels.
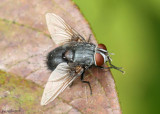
[{"x": 131, "y": 30}]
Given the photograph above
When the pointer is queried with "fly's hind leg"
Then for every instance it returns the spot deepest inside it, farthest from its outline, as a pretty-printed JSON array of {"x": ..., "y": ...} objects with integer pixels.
[
  {"x": 89, "y": 39},
  {"x": 70, "y": 85},
  {"x": 82, "y": 79}
]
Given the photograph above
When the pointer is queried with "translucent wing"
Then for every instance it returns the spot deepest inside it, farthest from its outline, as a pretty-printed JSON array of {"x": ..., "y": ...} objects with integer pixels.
[
  {"x": 59, "y": 79},
  {"x": 60, "y": 31}
]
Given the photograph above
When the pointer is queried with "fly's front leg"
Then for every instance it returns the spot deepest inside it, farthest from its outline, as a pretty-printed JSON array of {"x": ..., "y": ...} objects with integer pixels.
[
  {"x": 104, "y": 67},
  {"x": 117, "y": 68},
  {"x": 82, "y": 79}
]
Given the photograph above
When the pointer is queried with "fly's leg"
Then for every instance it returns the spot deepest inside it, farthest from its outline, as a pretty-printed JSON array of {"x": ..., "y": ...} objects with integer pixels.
[
  {"x": 89, "y": 39},
  {"x": 70, "y": 85},
  {"x": 117, "y": 68},
  {"x": 104, "y": 67},
  {"x": 112, "y": 66},
  {"x": 82, "y": 79}
]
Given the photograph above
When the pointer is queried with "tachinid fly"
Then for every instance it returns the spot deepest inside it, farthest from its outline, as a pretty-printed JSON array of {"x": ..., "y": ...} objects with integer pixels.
[{"x": 71, "y": 59}]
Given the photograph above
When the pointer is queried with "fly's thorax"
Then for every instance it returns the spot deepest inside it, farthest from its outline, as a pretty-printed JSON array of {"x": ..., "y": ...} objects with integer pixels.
[
  {"x": 81, "y": 53},
  {"x": 101, "y": 55}
]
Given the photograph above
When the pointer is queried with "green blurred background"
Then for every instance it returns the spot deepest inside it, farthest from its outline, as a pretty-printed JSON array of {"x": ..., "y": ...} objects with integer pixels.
[{"x": 131, "y": 30}]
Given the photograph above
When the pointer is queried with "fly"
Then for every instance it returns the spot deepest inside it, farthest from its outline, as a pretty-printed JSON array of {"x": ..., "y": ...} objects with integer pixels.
[{"x": 71, "y": 59}]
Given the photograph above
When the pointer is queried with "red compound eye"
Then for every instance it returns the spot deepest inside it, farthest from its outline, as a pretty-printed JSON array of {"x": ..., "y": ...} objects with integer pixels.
[
  {"x": 99, "y": 60},
  {"x": 102, "y": 46}
]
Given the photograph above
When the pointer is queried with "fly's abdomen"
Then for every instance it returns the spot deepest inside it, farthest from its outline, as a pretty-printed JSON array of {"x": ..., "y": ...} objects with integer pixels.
[{"x": 55, "y": 57}]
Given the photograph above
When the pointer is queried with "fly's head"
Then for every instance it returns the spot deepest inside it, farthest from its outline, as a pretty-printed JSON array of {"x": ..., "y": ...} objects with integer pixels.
[{"x": 102, "y": 56}]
